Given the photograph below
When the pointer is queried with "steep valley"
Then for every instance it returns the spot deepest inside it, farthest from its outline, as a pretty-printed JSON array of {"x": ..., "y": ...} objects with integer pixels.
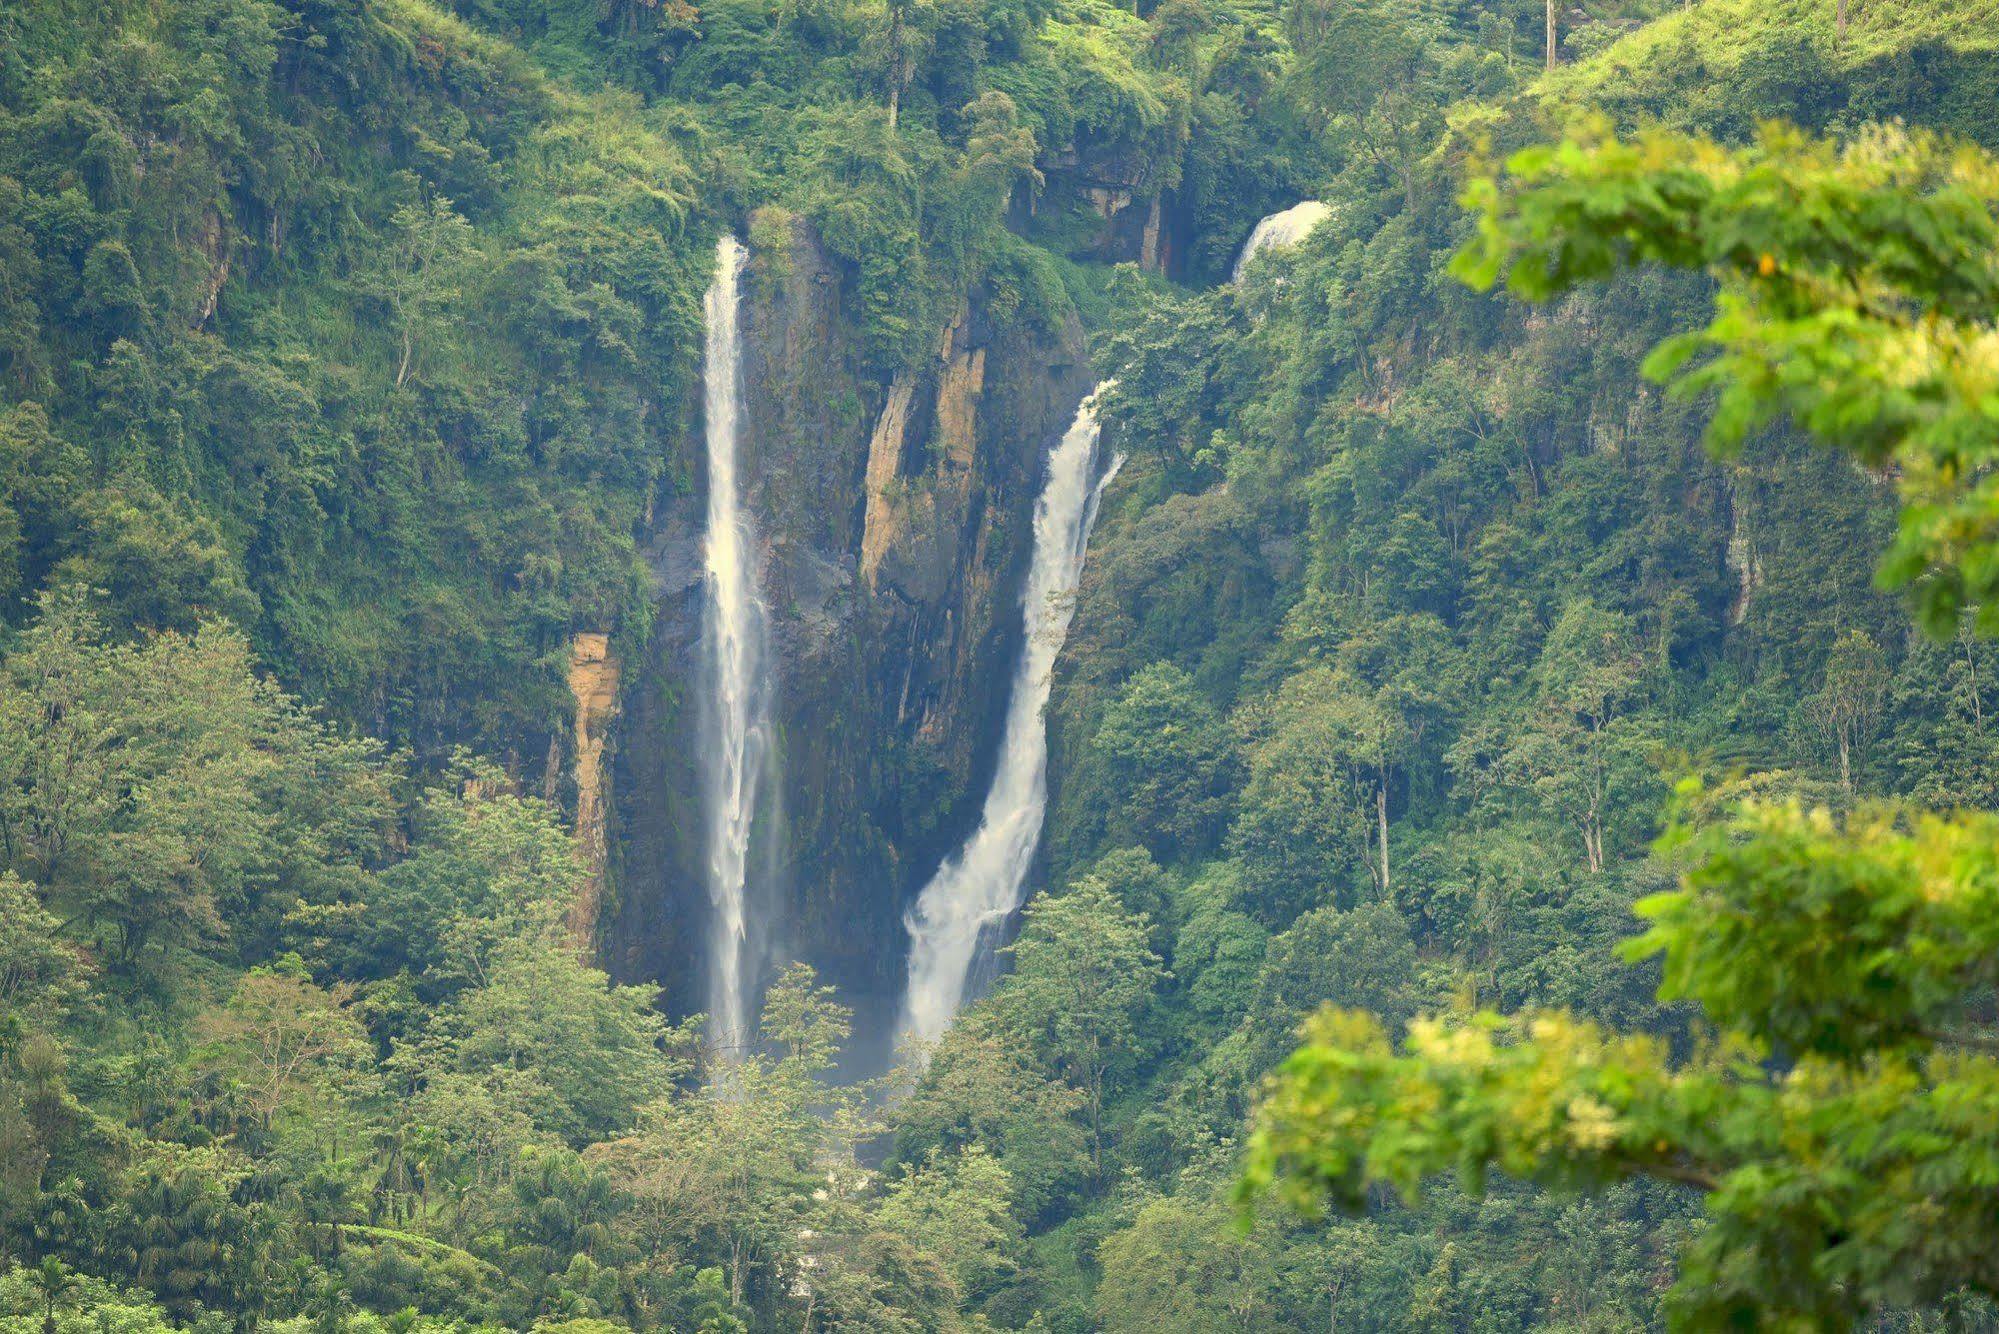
[{"x": 575, "y": 572}]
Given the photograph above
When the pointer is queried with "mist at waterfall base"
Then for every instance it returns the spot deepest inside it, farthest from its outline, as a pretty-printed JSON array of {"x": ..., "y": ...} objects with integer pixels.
[
  {"x": 735, "y": 707},
  {"x": 955, "y": 922}
]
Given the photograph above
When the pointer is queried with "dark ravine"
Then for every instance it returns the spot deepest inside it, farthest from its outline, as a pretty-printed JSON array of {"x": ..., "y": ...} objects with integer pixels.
[{"x": 894, "y": 516}]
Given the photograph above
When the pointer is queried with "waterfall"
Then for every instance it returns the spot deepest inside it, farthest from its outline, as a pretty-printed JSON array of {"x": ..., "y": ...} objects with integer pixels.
[
  {"x": 735, "y": 728},
  {"x": 1287, "y": 228},
  {"x": 960, "y": 911}
]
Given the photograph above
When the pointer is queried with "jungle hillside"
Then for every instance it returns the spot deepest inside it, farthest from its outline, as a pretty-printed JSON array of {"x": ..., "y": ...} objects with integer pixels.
[{"x": 917, "y": 666}]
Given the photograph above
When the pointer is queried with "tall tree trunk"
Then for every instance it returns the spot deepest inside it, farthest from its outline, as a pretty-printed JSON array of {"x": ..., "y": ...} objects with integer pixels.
[
  {"x": 1381, "y": 817},
  {"x": 1970, "y": 667},
  {"x": 1839, "y": 19},
  {"x": 1551, "y": 30}
]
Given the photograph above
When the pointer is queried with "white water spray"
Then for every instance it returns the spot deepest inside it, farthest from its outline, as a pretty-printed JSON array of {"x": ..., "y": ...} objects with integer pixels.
[
  {"x": 1287, "y": 228},
  {"x": 962, "y": 908},
  {"x": 735, "y": 717}
]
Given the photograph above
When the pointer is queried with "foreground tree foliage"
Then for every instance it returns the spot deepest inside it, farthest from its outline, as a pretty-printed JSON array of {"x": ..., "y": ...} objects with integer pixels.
[
  {"x": 1858, "y": 295},
  {"x": 1839, "y": 1110}
]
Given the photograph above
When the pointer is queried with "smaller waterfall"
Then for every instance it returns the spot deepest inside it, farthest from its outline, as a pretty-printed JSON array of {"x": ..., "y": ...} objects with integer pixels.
[
  {"x": 1287, "y": 228},
  {"x": 971, "y": 896},
  {"x": 735, "y": 715}
]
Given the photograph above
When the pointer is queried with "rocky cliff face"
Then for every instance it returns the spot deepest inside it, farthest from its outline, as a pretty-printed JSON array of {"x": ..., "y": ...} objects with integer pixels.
[
  {"x": 893, "y": 516},
  {"x": 593, "y": 683}
]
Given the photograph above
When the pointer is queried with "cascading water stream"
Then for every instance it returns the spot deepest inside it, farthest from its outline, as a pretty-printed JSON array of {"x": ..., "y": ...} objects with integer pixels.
[
  {"x": 959, "y": 913},
  {"x": 735, "y": 716},
  {"x": 1285, "y": 228}
]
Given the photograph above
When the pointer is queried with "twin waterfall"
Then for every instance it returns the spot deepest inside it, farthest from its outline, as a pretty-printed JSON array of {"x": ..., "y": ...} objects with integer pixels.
[
  {"x": 962, "y": 909},
  {"x": 957, "y": 919},
  {"x": 959, "y": 912},
  {"x": 735, "y": 725}
]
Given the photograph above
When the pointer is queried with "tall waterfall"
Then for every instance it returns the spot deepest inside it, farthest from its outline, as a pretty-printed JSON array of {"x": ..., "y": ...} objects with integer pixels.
[
  {"x": 1286, "y": 228},
  {"x": 971, "y": 896},
  {"x": 735, "y": 710}
]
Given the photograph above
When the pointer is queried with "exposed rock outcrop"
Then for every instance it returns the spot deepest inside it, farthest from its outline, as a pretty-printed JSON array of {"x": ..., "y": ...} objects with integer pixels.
[
  {"x": 1140, "y": 217},
  {"x": 593, "y": 681},
  {"x": 884, "y": 473}
]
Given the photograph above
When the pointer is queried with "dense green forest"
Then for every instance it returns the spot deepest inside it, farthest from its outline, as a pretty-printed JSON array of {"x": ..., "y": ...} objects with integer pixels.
[{"x": 1438, "y": 635}]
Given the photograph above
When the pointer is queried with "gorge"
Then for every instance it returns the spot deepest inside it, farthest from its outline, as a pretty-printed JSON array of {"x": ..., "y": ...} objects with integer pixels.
[
  {"x": 956, "y": 919},
  {"x": 893, "y": 517}
]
